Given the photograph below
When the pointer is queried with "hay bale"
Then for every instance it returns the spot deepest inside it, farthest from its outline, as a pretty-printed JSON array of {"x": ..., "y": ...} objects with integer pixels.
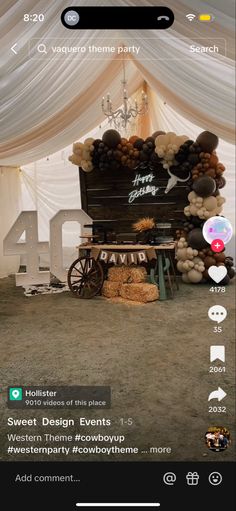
[
  {"x": 127, "y": 274},
  {"x": 141, "y": 292},
  {"x": 117, "y": 274},
  {"x": 136, "y": 274},
  {"x": 110, "y": 289}
]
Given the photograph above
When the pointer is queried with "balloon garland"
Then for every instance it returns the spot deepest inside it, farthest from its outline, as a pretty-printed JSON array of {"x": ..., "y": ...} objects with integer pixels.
[
  {"x": 82, "y": 154},
  {"x": 194, "y": 254},
  {"x": 176, "y": 153},
  {"x": 184, "y": 160},
  {"x": 113, "y": 152}
]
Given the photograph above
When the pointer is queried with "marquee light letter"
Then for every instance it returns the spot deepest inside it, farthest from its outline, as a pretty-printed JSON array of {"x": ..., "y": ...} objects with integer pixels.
[{"x": 27, "y": 221}]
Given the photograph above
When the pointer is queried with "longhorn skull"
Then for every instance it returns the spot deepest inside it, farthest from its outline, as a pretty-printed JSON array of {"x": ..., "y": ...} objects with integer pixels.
[{"x": 174, "y": 180}]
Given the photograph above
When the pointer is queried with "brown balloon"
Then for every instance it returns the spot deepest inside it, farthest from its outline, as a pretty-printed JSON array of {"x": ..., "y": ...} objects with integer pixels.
[
  {"x": 220, "y": 181},
  {"x": 111, "y": 138},
  {"x": 196, "y": 239},
  {"x": 209, "y": 261},
  {"x": 208, "y": 141},
  {"x": 204, "y": 186},
  {"x": 211, "y": 172},
  {"x": 133, "y": 139},
  {"x": 225, "y": 281},
  {"x": 220, "y": 257},
  {"x": 229, "y": 261},
  {"x": 231, "y": 273},
  {"x": 213, "y": 160},
  {"x": 202, "y": 254}
]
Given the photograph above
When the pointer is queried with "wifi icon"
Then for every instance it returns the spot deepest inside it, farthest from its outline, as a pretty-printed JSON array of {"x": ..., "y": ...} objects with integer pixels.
[{"x": 190, "y": 17}]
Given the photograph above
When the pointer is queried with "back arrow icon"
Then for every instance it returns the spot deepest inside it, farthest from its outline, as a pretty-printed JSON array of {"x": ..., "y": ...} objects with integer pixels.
[
  {"x": 13, "y": 48},
  {"x": 217, "y": 394}
]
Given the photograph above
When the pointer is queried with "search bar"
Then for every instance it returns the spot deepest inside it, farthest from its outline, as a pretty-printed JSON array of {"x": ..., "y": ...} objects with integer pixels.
[{"x": 107, "y": 48}]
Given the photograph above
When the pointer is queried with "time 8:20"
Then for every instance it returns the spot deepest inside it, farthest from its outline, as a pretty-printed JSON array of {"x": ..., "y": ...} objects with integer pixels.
[{"x": 34, "y": 17}]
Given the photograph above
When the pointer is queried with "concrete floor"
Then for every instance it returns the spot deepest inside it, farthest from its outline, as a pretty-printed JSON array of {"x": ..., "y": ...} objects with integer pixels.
[{"x": 155, "y": 357}]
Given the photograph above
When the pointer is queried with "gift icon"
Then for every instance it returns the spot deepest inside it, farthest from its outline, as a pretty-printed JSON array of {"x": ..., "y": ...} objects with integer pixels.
[{"x": 192, "y": 478}]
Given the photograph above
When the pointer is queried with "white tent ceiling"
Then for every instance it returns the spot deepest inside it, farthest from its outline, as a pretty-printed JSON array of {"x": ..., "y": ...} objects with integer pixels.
[{"x": 48, "y": 103}]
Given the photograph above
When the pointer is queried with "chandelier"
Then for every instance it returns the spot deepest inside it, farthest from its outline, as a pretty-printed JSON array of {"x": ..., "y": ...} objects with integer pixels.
[{"x": 122, "y": 117}]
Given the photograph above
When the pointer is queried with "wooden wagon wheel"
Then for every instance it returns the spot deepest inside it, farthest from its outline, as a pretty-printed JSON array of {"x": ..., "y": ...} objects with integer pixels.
[{"x": 85, "y": 277}]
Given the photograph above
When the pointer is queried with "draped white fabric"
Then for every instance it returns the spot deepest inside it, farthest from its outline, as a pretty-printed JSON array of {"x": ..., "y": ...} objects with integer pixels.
[{"x": 10, "y": 206}]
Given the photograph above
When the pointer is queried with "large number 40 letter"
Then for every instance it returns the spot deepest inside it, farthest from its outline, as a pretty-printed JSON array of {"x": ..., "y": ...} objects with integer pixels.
[
  {"x": 56, "y": 223},
  {"x": 27, "y": 221}
]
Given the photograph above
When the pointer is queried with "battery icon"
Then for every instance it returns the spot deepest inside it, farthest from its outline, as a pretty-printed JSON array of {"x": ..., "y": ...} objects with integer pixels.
[{"x": 205, "y": 17}]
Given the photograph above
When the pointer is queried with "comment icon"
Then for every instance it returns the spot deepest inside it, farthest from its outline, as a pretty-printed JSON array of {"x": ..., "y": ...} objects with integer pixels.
[{"x": 217, "y": 313}]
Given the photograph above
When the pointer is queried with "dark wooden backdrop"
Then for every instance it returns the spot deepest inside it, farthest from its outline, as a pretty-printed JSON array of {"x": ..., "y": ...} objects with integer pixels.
[{"x": 104, "y": 196}]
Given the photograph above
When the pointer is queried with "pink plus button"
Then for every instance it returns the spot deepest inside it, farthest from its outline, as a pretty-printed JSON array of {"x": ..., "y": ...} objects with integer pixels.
[{"x": 217, "y": 245}]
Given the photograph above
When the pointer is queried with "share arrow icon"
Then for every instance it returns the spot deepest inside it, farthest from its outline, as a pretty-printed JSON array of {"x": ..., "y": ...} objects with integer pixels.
[{"x": 217, "y": 394}]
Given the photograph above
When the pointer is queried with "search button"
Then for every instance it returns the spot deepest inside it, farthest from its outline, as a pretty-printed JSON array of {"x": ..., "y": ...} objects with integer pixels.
[{"x": 42, "y": 48}]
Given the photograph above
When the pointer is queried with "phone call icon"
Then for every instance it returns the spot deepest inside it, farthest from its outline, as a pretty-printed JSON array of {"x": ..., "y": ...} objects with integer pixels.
[{"x": 160, "y": 18}]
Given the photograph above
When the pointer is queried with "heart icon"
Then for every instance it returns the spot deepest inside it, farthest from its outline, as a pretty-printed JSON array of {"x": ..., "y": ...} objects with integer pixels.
[{"x": 217, "y": 273}]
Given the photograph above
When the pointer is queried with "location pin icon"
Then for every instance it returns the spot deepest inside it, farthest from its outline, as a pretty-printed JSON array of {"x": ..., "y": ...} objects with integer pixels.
[{"x": 15, "y": 393}]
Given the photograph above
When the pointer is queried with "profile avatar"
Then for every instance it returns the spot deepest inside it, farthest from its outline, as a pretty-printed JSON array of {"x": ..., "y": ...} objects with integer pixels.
[{"x": 217, "y": 438}]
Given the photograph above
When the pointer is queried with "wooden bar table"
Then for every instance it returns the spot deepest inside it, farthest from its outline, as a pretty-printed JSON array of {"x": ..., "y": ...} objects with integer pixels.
[{"x": 164, "y": 253}]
